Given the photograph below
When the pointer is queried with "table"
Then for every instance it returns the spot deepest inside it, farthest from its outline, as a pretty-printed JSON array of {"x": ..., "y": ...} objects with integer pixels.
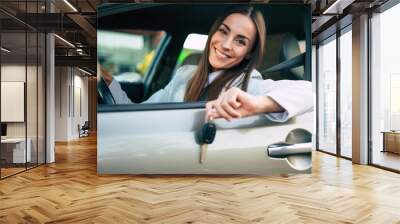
[
  {"x": 15, "y": 148},
  {"x": 391, "y": 141}
]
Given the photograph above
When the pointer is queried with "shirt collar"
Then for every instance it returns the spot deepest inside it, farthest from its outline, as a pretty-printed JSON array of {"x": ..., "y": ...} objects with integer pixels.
[{"x": 213, "y": 75}]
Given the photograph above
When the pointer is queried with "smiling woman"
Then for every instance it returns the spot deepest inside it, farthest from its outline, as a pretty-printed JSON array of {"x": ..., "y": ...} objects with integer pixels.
[{"x": 226, "y": 76}]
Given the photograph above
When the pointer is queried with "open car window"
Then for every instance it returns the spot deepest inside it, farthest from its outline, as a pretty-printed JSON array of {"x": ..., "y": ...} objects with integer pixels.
[
  {"x": 128, "y": 55},
  {"x": 163, "y": 42}
]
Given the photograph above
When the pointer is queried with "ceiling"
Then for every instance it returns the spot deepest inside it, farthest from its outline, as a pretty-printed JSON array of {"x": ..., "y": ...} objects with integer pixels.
[{"x": 76, "y": 20}]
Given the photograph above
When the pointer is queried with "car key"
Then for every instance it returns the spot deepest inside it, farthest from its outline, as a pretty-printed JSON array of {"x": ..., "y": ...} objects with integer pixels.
[{"x": 207, "y": 135}]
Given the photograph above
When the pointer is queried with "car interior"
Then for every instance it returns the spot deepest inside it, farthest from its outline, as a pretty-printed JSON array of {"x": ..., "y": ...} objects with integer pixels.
[{"x": 283, "y": 57}]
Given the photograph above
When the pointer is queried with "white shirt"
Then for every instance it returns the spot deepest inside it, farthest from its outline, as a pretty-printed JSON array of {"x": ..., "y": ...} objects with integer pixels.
[{"x": 212, "y": 76}]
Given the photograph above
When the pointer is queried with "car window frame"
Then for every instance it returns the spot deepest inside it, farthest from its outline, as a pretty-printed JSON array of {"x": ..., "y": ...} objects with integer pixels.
[
  {"x": 107, "y": 108},
  {"x": 158, "y": 55}
]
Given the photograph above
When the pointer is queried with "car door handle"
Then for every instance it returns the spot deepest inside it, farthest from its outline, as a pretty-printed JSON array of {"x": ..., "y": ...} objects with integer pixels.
[{"x": 283, "y": 150}]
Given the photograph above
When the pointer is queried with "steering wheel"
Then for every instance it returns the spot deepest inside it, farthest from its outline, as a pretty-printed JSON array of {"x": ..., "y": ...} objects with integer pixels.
[{"x": 104, "y": 92}]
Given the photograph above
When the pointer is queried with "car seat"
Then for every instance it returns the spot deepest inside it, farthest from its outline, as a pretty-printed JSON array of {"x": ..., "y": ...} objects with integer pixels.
[
  {"x": 192, "y": 59},
  {"x": 282, "y": 58}
]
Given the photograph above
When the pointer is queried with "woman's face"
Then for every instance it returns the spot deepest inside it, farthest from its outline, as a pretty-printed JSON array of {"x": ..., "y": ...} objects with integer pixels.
[{"x": 232, "y": 41}]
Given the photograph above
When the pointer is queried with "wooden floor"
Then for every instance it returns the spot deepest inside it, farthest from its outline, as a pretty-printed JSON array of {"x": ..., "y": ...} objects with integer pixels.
[
  {"x": 5, "y": 172},
  {"x": 69, "y": 191},
  {"x": 8, "y": 171}
]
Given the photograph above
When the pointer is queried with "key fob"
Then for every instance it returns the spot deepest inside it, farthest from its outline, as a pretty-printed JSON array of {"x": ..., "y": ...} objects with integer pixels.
[{"x": 207, "y": 133}]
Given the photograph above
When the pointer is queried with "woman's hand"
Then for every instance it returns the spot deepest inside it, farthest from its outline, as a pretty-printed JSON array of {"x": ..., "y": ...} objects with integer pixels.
[
  {"x": 235, "y": 103},
  {"x": 107, "y": 77}
]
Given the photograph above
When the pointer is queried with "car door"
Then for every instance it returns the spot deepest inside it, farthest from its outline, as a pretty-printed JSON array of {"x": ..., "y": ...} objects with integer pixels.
[{"x": 162, "y": 139}]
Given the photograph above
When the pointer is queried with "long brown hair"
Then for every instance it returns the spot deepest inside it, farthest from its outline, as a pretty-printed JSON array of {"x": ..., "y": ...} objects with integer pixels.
[{"x": 194, "y": 89}]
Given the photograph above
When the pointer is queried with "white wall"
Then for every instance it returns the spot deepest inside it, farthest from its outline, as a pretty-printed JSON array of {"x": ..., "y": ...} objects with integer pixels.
[
  {"x": 71, "y": 102},
  {"x": 13, "y": 73},
  {"x": 62, "y": 81},
  {"x": 12, "y": 101},
  {"x": 314, "y": 84},
  {"x": 16, "y": 73},
  {"x": 33, "y": 126},
  {"x": 80, "y": 105}
]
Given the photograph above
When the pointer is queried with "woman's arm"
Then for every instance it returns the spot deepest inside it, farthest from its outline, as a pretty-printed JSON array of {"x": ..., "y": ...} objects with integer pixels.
[
  {"x": 172, "y": 92},
  {"x": 235, "y": 103},
  {"x": 118, "y": 94},
  {"x": 280, "y": 100},
  {"x": 294, "y": 96}
]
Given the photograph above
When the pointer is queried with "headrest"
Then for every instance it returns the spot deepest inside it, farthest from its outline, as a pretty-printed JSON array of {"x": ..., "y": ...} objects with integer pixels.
[{"x": 192, "y": 59}]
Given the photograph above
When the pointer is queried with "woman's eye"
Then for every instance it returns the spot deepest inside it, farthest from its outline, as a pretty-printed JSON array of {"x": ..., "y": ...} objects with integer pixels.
[
  {"x": 241, "y": 42},
  {"x": 222, "y": 31}
]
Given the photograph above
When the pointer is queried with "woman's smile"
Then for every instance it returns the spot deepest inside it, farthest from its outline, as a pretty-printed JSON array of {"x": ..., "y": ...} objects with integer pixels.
[{"x": 221, "y": 54}]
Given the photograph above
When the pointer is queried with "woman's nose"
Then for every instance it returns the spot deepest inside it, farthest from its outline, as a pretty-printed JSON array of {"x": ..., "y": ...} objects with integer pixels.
[{"x": 227, "y": 43}]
